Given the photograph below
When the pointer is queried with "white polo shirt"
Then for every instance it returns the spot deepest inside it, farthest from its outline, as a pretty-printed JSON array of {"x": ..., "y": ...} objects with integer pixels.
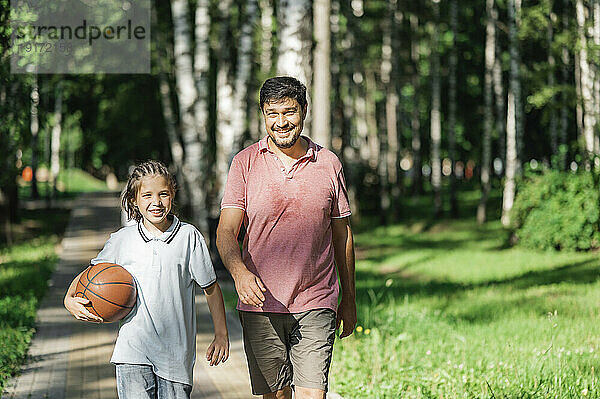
[{"x": 161, "y": 328}]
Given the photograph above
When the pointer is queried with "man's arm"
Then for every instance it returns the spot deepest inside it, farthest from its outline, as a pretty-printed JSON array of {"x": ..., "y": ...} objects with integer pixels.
[
  {"x": 248, "y": 286},
  {"x": 343, "y": 248}
]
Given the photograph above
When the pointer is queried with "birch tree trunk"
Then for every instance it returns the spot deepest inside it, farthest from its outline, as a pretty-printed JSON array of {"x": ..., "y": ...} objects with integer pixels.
[
  {"x": 508, "y": 195},
  {"x": 266, "y": 22},
  {"x": 552, "y": 126},
  {"x": 562, "y": 160},
  {"x": 295, "y": 45},
  {"x": 191, "y": 124},
  {"x": 512, "y": 123},
  {"x": 596, "y": 72},
  {"x": 490, "y": 47},
  {"x": 243, "y": 76},
  {"x": 389, "y": 70},
  {"x": 415, "y": 122},
  {"x": 322, "y": 74},
  {"x": 452, "y": 65},
  {"x": 34, "y": 127},
  {"x": 227, "y": 136},
  {"x": 436, "y": 127},
  {"x": 587, "y": 85},
  {"x": 499, "y": 96},
  {"x": 55, "y": 140},
  {"x": 164, "y": 59},
  {"x": 515, "y": 66}
]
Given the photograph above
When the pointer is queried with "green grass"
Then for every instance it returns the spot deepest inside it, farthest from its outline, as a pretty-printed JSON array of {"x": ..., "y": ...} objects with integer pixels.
[
  {"x": 70, "y": 182},
  {"x": 452, "y": 312},
  {"x": 24, "y": 271}
]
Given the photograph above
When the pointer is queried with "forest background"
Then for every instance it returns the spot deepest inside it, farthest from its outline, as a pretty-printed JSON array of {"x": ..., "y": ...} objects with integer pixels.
[{"x": 438, "y": 109}]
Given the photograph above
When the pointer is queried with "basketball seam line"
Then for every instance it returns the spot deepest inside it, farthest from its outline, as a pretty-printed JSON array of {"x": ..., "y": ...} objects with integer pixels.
[{"x": 111, "y": 302}]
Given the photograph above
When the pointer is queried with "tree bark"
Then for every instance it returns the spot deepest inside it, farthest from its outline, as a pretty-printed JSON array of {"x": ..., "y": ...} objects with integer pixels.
[
  {"x": 322, "y": 74},
  {"x": 192, "y": 125},
  {"x": 415, "y": 122},
  {"x": 295, "y": 45},
  {"x": 34, "y": 127},
  {"x": 435, "y": 119},
  {"x": 589, "y": 120},
  {"x": 55, "y": 140},
  {"x": 564, "y": 127},
  {"x": 552, "y": 126},
  {"x": 389, "y": 71},
  {"x": 452, "y": 66},
  {"x": 512, "y": 120},
  {"x": 490, "y": 46},
  {"x": 227, "y": 138}
]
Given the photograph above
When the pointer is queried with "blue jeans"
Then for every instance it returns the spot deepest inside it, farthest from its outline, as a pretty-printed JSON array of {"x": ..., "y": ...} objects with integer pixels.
[{"x": 138, "y": 381}]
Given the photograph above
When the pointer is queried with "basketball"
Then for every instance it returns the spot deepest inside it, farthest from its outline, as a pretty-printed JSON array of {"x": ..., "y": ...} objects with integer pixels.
[{"x": 111, "y": 290}]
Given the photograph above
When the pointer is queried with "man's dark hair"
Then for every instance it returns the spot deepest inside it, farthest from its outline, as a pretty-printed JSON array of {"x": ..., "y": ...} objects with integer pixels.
[{"x": 280, "y": 87}]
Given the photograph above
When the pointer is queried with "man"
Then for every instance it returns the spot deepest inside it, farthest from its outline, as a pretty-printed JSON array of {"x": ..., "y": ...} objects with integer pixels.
[{"x": 291, "y": 196}]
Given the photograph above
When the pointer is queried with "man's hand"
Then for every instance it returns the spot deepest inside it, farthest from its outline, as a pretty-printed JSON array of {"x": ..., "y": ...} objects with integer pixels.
[
  {"x": 78, "y": 308},
  {"x": 346, "y": 316},
  {"x": 249, "y": 288}
]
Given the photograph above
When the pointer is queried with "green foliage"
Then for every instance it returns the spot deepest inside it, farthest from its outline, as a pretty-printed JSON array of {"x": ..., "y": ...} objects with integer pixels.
[
  {"x": 24, "y": 272},
  {"x": 558, "y": 210},
  {"x": 450, "y": 312}
]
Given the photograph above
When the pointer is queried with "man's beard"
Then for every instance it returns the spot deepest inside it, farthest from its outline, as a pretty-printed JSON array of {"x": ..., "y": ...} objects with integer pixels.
[{"x": 286, "y": 144}]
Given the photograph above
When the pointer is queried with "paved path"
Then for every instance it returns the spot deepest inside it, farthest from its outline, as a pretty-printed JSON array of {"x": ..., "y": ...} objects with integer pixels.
[{"x": 69, "y": 359}]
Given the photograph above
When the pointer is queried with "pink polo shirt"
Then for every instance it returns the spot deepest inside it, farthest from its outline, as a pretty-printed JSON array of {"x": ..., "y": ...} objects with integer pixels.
[{"x": 288, "y": 241}]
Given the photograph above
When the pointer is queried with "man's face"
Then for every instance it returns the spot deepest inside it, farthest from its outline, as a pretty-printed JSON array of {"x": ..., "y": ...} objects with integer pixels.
[{"x": 284, "y": 120}]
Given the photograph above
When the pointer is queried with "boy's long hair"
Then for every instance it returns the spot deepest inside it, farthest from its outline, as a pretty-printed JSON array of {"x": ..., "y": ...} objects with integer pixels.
[{"x": 148, "y": 168}]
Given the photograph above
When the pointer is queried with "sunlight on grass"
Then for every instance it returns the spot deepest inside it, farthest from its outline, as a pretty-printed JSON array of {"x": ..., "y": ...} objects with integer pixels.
[{"x": 449, "y": 311}]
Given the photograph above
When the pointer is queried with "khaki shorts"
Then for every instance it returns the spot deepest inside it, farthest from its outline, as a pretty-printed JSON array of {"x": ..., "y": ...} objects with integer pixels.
[{"x": 285, "y": 349}]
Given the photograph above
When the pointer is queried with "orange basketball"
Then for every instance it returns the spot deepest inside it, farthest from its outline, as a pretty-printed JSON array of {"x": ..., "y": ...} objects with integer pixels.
[{"x": 111, "y": 290}]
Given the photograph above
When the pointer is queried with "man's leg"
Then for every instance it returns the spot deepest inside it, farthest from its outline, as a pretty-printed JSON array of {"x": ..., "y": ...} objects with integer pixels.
[
  {"x": 172, "y": 390},
  {"x": 285, "y": 393},
  {"x": 309, "y": 393},
  {"x": 267, "y": 354},
  {"x": 311, "y": 351}
]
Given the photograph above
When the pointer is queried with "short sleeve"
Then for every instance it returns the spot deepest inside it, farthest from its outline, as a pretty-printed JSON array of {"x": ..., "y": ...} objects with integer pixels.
[
  {"x": 108, "y": 254},
  {"x": 235, "y": 188},
  {"x": 201, "y": 267},
  {"x": 340, "y": 205}
]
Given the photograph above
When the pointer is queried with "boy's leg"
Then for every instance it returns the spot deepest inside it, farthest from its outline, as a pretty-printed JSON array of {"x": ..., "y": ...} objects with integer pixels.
[
  {"x": 135, "y": 381},
  {"x": 172, "y": 390}
]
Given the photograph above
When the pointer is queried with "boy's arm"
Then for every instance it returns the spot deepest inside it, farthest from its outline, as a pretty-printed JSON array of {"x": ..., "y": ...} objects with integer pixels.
[
  {"x": 248, "y": 286},
  {"x": 343, "y": 248},
  {"x": 76, "y": 305},
  {"x": 218, "y": 351}
]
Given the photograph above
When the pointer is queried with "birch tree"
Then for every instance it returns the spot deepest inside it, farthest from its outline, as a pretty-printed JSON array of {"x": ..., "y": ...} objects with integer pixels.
[
  {"x": 512, "y": 125},
  {"x": 34, "y": 127},
  {"x": 55, "y": 139},
  {"x": 294, "y": 53},
  {"x": 389, "y": 72},
  {"x": 190, "y": 121},
  {"x": 227, "y": 137},
  {"x": 322, "y": 75},
  {"x": 415, "y": 121},
  {"x": 452, "y": 65},
  {"x": 488, "y": 120},
  {"x": 587, "y": 84},
  {"x": 564, "y": 111},
  {"x": 435, "y": 119}
]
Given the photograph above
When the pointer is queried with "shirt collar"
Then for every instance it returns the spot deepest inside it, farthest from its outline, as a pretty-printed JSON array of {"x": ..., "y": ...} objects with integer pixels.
[
  {"x": 167, "y": 236},
  {"x": 311, "y": 151}
]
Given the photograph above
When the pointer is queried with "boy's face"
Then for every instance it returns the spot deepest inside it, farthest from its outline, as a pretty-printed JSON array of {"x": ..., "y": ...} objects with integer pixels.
[
  {"x": 154, "y": 200},
  {"x": 284, "y": 121}
]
